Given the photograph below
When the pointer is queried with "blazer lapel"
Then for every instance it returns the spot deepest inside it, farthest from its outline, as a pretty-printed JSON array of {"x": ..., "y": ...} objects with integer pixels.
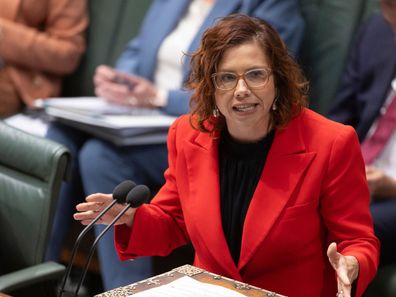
[
  {"x": 203, "y": 176},
  {"x": 286, "y": 163}
]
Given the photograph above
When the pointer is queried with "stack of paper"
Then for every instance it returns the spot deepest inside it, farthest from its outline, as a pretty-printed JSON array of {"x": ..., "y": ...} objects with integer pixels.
[{"x": 119, "y": 124}]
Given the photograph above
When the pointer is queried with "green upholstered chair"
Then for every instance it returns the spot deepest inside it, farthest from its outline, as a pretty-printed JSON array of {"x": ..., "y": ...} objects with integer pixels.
[
  {"x": 330, "y": 30},
  {"x": 31, "y": 171}
]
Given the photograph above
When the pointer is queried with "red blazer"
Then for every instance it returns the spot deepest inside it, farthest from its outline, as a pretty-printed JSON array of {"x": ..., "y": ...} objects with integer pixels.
[{"x": 312, "y": 191}]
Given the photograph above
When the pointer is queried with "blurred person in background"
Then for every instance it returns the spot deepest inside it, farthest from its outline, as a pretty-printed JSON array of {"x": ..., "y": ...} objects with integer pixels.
[
  {"x": 366, "y": 100},
  {"x": 40, "y": 42}
]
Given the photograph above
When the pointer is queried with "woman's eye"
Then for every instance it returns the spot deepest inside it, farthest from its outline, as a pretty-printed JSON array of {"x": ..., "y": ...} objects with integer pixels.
[
  {"x": 256, "y": 74},
  {"x": 227, "y": 77}
]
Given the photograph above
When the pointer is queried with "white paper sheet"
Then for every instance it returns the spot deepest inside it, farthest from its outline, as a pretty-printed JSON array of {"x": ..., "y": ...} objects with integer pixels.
[
  {"x": 28, "y": 124},
  {"x": 188, "y": 287},
  {"x": 93, "y": 106},
  {"x": 96, "y": 111}
]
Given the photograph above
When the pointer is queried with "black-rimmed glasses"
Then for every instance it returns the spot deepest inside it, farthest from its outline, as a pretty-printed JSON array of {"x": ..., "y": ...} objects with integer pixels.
[{"x": 254, "y": 78}]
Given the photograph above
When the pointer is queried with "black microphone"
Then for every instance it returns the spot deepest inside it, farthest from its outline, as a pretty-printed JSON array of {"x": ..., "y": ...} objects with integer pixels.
[
  {"x": 135, "y": 197},
  {"x": 120, "y": 193}
]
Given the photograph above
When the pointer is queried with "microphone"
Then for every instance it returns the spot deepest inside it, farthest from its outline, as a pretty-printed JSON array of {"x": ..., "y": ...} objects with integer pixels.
[
  {"x": 120, "y": 193},
  {"x": 135, "y": 197}
]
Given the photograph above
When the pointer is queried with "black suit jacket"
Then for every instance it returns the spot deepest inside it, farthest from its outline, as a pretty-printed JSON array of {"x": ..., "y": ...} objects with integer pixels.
[{"x": 367, "y": 77}]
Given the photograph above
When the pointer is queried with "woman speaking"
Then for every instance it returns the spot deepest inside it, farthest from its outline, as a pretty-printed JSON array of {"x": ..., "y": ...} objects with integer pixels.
[{"x": 268, "y": 192}]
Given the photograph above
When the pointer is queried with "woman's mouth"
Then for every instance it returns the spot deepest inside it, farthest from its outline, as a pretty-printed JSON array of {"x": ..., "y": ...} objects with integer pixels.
[{"x": 244, "y": 107}]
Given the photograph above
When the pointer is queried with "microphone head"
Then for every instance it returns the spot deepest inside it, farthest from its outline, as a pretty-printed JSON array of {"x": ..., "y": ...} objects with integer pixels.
[
  {"x": 121, "y": 191},
  {"x": 138, "y": 195}
]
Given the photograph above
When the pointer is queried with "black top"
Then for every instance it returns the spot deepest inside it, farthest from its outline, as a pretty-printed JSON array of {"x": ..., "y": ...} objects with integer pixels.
[{"x": 241, "y": 165}]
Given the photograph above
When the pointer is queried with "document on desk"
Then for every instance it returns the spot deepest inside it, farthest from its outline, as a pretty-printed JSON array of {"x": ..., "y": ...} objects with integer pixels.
[
  {"x": 188, "y": 287},
  {"x": 98, "y": 111},
  {"x": 119, "y": 124}
]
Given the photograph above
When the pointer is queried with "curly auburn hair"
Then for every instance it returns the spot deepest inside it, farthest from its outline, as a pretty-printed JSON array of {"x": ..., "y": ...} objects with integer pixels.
[{"x": 234, "y": 30}]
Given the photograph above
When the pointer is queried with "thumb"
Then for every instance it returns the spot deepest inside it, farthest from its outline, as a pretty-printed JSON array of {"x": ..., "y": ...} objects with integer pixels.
[
  {"x": 333, "y": 254},
  {"x": 338, "y": 262}
]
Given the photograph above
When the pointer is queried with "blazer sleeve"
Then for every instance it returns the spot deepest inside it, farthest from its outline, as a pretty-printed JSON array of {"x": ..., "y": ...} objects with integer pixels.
[
  {"x": 57, "y": 48},
  {"x": 128, "y": 60},
  {"x": 345, "y": 206},
  {"x": 158, "y": 227}
]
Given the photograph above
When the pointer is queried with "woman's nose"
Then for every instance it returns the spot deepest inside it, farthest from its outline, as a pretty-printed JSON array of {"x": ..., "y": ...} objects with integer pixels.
[{"x": 241, "y": 89}]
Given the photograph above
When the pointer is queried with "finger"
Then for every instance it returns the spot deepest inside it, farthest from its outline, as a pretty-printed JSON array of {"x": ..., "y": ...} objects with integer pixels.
[
  {"x": 342, "y": 274},
  {"x": 99, "y": 197},
  {"x": 83, "y": 216},
  {"x": 115, "y": 88},
  {"x": 344, "y": 291},
  {"x": 85, "y": 222},
  {"x": 333, "y": 255},
  {"x": 113, "y": 93},
  {"x": 90, "y": 206},
  {"x": 130, "y": 78},
  {"x": 105, "y": 72}
]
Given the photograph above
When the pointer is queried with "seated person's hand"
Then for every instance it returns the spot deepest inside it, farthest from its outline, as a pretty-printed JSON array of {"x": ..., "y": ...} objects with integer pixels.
[
  {"x": 347, "y": 269},
  {"x": 380, "y": 184},
  {"x": 95, "y": 203},
  {"x": 108, "y": 86},
  {"x": 126, "y": 89}
]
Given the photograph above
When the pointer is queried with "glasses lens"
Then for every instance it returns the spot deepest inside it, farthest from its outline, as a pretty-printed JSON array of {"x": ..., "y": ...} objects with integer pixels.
[
  {"x": 225, "y": 80},
  {"x": 256, "y": 77},
  {"x": 253, "y": 78}
]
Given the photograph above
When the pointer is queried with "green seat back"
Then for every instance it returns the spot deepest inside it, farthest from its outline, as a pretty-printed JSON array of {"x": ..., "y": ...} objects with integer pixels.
[
  {"x": 112, "y": 24},
  {"x": 31, "y": 171},
  {"x": 330, "y": 29}
]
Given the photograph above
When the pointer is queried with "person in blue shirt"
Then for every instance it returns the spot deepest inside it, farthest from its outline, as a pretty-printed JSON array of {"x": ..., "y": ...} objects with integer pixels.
[{"x": 150, "y": 72}]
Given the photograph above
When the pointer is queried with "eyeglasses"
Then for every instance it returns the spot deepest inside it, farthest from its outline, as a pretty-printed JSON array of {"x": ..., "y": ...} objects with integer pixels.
[{"x": 255, "y": 78}]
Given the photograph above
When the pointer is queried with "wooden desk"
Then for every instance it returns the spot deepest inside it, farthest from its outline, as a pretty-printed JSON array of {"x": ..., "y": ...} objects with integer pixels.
[{"x": 195, "y": 273}]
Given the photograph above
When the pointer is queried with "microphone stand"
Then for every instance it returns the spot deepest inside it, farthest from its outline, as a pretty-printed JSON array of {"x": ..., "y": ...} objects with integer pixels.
[
  {"x": 91, "y": 251},
  {"x": 77, "y": 243}
]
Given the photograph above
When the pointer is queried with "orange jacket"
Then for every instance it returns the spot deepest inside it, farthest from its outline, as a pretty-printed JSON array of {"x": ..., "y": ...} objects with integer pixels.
[
  {"x": 312, "y": 191},
  {"x": 41, "y": 41}
]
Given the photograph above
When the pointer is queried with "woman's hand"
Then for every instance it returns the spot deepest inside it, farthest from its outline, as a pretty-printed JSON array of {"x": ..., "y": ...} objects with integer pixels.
[
  {"x": 126, "y": 89},
  {"x": 95, "y": 203},
  {"x": 346, "y": 267}
]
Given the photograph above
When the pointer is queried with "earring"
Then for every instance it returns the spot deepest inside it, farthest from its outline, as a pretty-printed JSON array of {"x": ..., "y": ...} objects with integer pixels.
[
  {"x": 274, "y": 107},
  {"x": 216, "y": 112}
]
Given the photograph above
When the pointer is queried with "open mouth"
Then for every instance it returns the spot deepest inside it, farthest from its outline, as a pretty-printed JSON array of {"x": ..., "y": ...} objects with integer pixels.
[{"x": 245, "y": 107}]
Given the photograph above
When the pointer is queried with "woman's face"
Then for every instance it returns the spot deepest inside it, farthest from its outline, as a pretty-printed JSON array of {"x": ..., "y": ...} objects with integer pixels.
[{"x": 246, "y": 110}]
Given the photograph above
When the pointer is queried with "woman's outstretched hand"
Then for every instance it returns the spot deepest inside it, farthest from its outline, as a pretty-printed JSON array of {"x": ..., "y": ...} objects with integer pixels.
[
  {"x": 95, "y": 203},
  {"x": 347, "y": 269}
]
